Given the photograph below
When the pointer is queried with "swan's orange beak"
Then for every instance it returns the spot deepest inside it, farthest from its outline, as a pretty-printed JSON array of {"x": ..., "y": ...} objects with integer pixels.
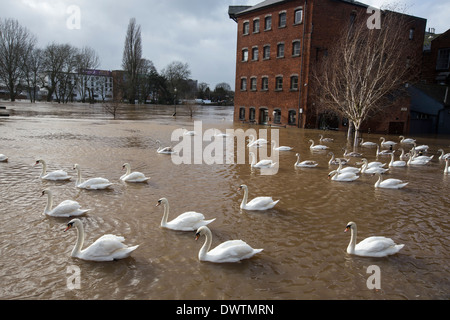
[
  {"x": 346, "y": 229},
  {"x": 239, "y": 189},
  {"x": 68, "y": 227},
  {"x": 197, "y": 235}
]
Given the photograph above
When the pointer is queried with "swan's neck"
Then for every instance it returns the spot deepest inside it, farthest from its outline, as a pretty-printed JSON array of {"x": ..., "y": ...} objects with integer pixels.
[
  {"x": 352, "y": 243},
  {"x": 49, "y": 205},
  {"x": 340, "y": 167},
  {"x": 44, "y": 169},
  {"x": 78, "y": 176},
  {"x": 380, "y": 179},
  {"x": 80, "y": 240},
  {"x": 298, "y": 159},
  {"x": 446, "y": 166},
  {"x": 364, "y": 166},
  {"x": 165, "y": 215},
  {"x": 392, "y": 159},
  {"x": 244, "y": 200},
  {"x": 253, "y": 159},
  {"x": 206, "y": 246},
  {"x": 128, "y": 170}
]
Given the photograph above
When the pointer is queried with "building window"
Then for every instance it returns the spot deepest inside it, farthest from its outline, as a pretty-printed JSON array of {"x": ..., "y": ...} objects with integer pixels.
[
  {"x": 246, "y": 27},
  {"x": 280, "y": 50},
  {"x": 298, "y": 16},
  {"x": 292, "y": 117},
  {"x": 443, "y": 59},
  {"x": 282, "y": 19},
  {"x": 255, "y": 54},
  {"x": 242, "y": 113},
  {"x": 243, "y": 84},
  {"x": 253, "y": 84},
  {"x": 264, "y": 83},
  {"x": 256, "y": 25},
  {"x": 252, "y": 114},
  {"x": 296, "y": 48},
  {"x": 411, "y": 34},
  {"x": 279, "y": 83},
  {"x": 244, "y": 55},
  {"x": 277, "y": 116},
  {"x": 268, "y": 23},
  {"x": 266, "y": 52},
  {"x": 294, "y": 83}
]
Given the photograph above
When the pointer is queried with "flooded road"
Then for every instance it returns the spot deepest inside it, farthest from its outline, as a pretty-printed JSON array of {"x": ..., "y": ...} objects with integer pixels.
[{"x": 304, "y": 244}]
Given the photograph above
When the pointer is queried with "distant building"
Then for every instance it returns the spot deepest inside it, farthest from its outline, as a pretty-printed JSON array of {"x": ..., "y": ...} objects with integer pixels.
[{"x": 278, "y": 44}]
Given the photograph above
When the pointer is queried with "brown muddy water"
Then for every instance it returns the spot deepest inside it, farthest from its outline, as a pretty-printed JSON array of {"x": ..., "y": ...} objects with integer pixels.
[{"x": 304, "y": 244}]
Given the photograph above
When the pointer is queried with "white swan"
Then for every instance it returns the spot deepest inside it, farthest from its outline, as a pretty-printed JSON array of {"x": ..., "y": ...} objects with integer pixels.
[
  {"x": 407, "y": 140},
  {"x": 387, "y": 144},
  {"x": 417, "y": 161},
  {"x": 306, "y": 163},
  {"x": 317, "y": 147},
  {"x": 446, "y": 169},
  {"x": 280, "y": 148},
  {"x": 67, "y": 208},
  {"x": 132, "y": 176},
  {"x": 256, "y": 143},
  {"x": 367, "y": 144},
  {"x": 164, "y": 150},
  {"x": 228, "y": 251},
  {"x": 416, "y": 155},
  {"x": 322, "y": 139},
  {"x": 258, "y": 203},
  {"x": 188, "y": 221},
  {"x": 398, "y": 163},
  {"x": 371, "y": 170},
  {"x": 423, "y": 147},
  {"x": 91, "y": 184},
  {"x": 443, "y": 156},
  {"x": 383, "y": 152},
  {"x": 371, "y": 246},
  {"x": 352, "y": 154},
  {"x": 3, "y": 158},
  {"x": 335, "y": 175},
  {"x": 372, "y": 163},
  {"x": 58, "y": 175},
  {"x": 347, "y": 169},
  {"x": 106, "y": 248},
  {"x": 334, "y": 160},
  {"x": 403, "y": 155},
  {"x": 389, "y": 183},
  {"x": 262, "y": 163}
]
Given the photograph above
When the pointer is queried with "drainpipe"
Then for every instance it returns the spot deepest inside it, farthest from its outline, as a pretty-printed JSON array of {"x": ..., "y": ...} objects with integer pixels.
[{"x": 300, "y": 114}]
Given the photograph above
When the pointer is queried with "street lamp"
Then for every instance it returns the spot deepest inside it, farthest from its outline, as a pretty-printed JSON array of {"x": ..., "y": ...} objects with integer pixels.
[{"x": 175, "y": 101}]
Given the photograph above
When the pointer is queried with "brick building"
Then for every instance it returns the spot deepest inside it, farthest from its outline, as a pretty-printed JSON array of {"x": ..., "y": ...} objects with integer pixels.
[{"x": 278, "y": 43}]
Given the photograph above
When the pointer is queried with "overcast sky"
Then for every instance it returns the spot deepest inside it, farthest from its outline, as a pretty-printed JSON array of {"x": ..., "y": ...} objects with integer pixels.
[{"x": 197, "y": 32}]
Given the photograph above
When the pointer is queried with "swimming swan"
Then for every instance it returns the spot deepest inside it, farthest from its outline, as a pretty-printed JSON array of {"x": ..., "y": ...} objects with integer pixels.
[
  {"x": 188, "y": 221},
  {"x": 164, "y": 150},
  {"x": 132, "y": 176},
  {"x": 228, "y": 251},
  {"x": 106, "y": 248},
  {"x": 372, "y": 246},
  {"x": 306, "y": 163},
  {"x": 91, "y": 184},
  {"x": 67, "y": 208},
  {"x": 280, "y": 148},
  {"x": 317, "y": 147},
  {"x": 261, "y": 164},
  {"x": 59, "y": 175},
  {"x": 258, "y": 203},
  {"x": 389, "y": 183}
]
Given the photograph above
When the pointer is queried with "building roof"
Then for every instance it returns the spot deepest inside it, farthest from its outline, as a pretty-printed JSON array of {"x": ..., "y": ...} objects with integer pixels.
[{"x": 427, "y": 98}]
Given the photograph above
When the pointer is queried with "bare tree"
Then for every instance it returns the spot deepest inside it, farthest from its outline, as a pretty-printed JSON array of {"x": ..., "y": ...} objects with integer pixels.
[
  {"x": 111, "y": 107},
  {"x": 177, "y": 74},
  {"x": 132, "y": 59},
  {"x": 32, "y": 70},
  {"x": 15, "y": 44},
  {"x": 364, "y": 69},
  {"x": 86, "y": 60}
]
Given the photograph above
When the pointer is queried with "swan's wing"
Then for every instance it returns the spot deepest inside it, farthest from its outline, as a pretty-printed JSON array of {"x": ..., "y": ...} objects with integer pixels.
[
  {"x": 67, "y": 208},
  {"x": 231, "y": 251},
  {"x": 95, "y": 183},
  {"x": 106, "y": 248},
  {"x": 187, "y": 221},
  {"x": 135, "y": 176},
  {"x": 57, "y": 175},
  {"x": 375, "y": 246}
]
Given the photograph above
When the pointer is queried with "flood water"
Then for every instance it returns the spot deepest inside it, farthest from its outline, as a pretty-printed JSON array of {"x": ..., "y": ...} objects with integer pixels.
[{"x": 304, "y": 244}]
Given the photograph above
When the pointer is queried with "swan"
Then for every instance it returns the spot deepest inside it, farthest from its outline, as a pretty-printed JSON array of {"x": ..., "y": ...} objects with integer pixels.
[
  {"x": 389, "y": 183},
  {"x": 403, "y": 156},
  {"x": 317, "y": 147},
  {"x": 399, "y": 163},
  {"x": 443, "y": 156},
  {"x": 67, "y": 208},
  {"x": 346, "y": 169},
  {"x": 188, "y": 221},
  {"x": 420, "y": 157},
  {"x": 417, "y": 161},
  {"x": 258, "y": 203},
  {"x": 218, "y": 133},
  {"x": 228, "y": 251},
  {"x": 352, "y": 154},
  {"x": 106, "y": 248},
  {"x": 446, "y": 169},
  {"x": 280, "y": 148},
  {"x": 336, "y": 160},
  {"x": 372, "y": 163},
  {"x": 164, "y": 150},
  {"x": 322, "y": 139},
  {"x": 387, "y": 144},
  {"x": 372, "y": 246},
  {"x": 261, "y": 164},
  {"x": 3, "y": 158},
  {"x": 132, "y": 176},
  {"x": 189, "y": 133},
  {"x": 306, "y": 163},
  {"x": 383, "y": 152},
  {"x": 423, "y": 147},
  {"x": 367, "y": 143},
  {"x": 256, "y": 143},
  {"x": 59, "y": 175},
  {"x": 335, "y": 175},
  {"x": 91, "y": 184},
  {"x": 371, "y": 170},
  {"x": 407, "y": 140}
]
